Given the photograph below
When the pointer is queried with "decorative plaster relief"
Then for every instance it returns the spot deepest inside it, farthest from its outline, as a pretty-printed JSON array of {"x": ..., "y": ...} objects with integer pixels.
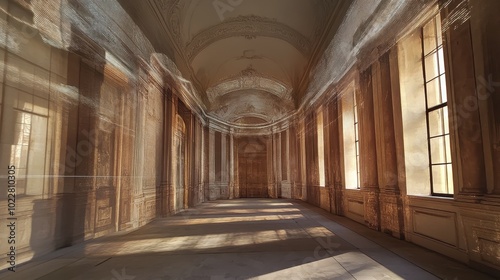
[
  {"x": 250, "y": 103},
  {"x": 249, "y": 81},
  {"x": 250, "y": 120},
  {"x": 172, "y": 14},
  {"x": 249, "y": 27}
]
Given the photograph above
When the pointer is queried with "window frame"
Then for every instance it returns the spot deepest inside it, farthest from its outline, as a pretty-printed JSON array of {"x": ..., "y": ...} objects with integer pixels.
[
  {"x": 320, "y": 129},
  {"x": 356, "y": 141},
  {"x": 441, "y": 73}
]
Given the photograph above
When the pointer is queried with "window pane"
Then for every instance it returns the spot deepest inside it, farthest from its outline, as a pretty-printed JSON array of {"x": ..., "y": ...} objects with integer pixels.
[
  {"x": 446, "y": 122},
  {"x": 429, "y": 37},
  {"x": 436, "y": 125},
  {"x": 431, "y": 67},
  {"x": 36, "y": 164},
  {"x": 439, "y": 33},
  {"x": 433, "y": 93},
  {"x": 439, "y": 178},
  {"x": 450, "y": 178},
  {"x": 448, "y": 148},
  {"x": 358, "y": 175},
  {"x": 441, "y": 61},
  {"x": 438, "y": 154},
  {"x": 443, "y": 88}
]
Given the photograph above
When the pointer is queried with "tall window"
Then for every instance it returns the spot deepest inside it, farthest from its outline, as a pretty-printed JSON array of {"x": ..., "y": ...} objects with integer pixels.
[
  {"x": 350, "y": 141},
  {"x": 438, "y": 130},
  {"x": 321, "y": 148},
  {"x": 28, "y": 152},
  {"x": 356, "y": 141}
]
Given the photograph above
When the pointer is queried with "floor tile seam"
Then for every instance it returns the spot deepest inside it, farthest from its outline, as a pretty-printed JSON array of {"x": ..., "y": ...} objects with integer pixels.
[{"x": 334, "y": 257}]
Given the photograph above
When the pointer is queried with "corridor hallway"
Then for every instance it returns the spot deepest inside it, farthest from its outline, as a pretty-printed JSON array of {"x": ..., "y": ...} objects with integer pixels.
[{"x": 246, "y": 239}]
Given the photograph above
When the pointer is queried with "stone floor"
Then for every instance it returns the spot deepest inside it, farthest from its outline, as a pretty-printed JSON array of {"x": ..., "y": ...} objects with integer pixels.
[{"x": 246, "y": 239}]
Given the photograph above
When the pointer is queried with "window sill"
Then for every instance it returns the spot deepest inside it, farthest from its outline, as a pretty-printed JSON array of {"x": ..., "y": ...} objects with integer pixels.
[{"x": 430, "y": 197}]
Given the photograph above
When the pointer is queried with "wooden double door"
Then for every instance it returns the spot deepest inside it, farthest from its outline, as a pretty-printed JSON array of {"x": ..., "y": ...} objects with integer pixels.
[{"x": 252, "y": 169}]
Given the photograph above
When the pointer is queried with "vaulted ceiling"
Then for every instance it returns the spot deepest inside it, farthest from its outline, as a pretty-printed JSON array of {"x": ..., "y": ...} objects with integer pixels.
[{"x": 249, "y": 60}]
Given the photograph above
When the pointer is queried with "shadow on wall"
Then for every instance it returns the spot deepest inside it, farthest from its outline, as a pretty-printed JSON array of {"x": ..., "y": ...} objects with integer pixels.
[
  {"x": 65, "y": 135},
  {"x": 68, "y": 209}
]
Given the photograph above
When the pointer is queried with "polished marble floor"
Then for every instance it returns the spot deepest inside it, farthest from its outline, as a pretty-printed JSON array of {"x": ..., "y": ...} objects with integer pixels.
[{"x": 246, "y": 239}]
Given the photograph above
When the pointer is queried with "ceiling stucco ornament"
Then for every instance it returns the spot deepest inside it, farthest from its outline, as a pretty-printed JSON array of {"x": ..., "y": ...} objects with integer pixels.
[
  {"x": 249, "y": 71},
  {"x": 250, "y": 120},
  {"x": 250, "y": 55},
  {"x": 172, "y": 10},
  {"x": 284, "y": 40},
  {"x": 166, "y": 4},
  {"x": 258, "y": 118},
  {"x": 249, "y": 79},
  {"x": 249, "y": 27},
  {"x": 227, "y": 113},
  {"x": 237, "y": 75}
]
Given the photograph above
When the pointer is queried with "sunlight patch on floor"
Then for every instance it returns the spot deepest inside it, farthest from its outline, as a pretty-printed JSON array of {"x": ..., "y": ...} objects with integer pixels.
[
  {"x": 193, "y": 242},
  {"x": 221, "y": 220}
]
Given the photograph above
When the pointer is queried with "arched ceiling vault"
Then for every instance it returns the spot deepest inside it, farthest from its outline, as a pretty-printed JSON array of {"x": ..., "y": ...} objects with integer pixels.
[{"x": 246, "y": 58}]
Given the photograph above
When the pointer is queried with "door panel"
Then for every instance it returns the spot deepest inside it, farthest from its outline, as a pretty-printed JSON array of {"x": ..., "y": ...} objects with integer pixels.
[{"x": 253, "y": 176}]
